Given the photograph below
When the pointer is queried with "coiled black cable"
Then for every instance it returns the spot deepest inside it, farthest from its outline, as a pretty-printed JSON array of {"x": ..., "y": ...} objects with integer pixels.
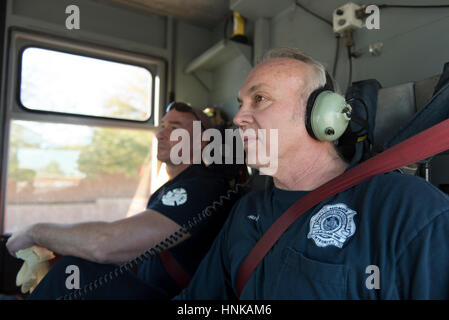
[{"x": 163, "y": 245}]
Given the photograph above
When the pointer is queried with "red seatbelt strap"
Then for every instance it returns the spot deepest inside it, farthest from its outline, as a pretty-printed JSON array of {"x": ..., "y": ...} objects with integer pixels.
[
  {"x": 423, "y": 145},
  {"x": 174, "y": 269}
]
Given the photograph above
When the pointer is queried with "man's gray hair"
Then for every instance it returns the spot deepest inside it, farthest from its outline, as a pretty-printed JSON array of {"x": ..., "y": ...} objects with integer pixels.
[{"x": 319, "y": 72}]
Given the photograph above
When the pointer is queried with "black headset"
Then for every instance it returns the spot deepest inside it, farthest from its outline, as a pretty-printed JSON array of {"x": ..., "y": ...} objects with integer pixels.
[{"x": 327, "y": 113}]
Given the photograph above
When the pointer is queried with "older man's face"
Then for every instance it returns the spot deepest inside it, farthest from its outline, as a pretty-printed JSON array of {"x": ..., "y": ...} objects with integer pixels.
[{"x": 271, "y": 98}]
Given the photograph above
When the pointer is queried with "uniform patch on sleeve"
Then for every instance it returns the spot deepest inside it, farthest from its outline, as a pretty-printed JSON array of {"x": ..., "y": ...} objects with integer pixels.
[
  {"x": 175, "y": 197},
  {"x": 332, "y": 225}
]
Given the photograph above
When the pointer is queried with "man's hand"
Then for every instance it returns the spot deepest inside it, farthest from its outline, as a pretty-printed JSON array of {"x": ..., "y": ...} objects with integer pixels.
[{"x": 21, "y": 239}]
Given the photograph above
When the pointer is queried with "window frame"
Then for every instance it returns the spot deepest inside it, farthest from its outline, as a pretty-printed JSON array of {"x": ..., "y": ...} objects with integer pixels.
[
  {"x": 20, "y": 39},
  {"x": 23, "y": 107}
]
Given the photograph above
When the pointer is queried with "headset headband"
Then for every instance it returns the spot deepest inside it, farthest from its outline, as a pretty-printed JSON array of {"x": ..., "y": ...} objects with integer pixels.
[{"x": 329, "y": 83}]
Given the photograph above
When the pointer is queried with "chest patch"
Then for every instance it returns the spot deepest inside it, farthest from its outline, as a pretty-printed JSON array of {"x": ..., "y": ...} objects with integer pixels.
[
  {"x": 175, "y": 197},
  {"x": 332, "y": 225}
]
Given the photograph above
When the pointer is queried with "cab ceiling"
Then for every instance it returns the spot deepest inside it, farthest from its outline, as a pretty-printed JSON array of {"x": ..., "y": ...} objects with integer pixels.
[{"x": 205, "y": 13}]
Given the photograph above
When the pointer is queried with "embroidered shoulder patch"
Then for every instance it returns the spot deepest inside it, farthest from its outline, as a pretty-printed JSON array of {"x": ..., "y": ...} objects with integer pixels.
[
  {"x": 254, "y": 217},
  {"x": 175, "y": 197},
  {"x": 332, "y": 225}
]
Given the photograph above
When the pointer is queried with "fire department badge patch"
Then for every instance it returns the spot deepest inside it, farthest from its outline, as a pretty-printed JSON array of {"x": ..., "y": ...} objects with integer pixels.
[
  {"x": 332, "y": 225},
  {"x": 175, "y": 197}
]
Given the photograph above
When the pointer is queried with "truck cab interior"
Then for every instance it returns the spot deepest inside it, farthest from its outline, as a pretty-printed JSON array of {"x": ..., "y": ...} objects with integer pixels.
[{"x": 86, "y": 81}]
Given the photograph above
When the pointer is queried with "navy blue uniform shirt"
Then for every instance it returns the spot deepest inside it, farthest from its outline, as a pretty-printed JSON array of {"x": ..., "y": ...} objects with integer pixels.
[
  {"x": 386, "y": 238},
  {"x": 181, "y": 199}
]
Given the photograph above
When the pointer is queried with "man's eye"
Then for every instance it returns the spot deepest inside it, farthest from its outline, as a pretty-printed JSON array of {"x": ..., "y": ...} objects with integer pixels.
[{"x": 259, "y": 99}]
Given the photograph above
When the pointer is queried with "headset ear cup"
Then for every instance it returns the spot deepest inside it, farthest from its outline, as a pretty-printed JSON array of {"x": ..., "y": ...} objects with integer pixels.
[
  {"x": 330, "y": 116},
  {"x": 309, "y": 108}
]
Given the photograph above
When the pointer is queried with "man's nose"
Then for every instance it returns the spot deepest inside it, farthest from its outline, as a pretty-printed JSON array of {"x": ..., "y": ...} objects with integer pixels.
[
  {"x": 161, "y": 134},
  {"x": 243, "y": 117}
]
